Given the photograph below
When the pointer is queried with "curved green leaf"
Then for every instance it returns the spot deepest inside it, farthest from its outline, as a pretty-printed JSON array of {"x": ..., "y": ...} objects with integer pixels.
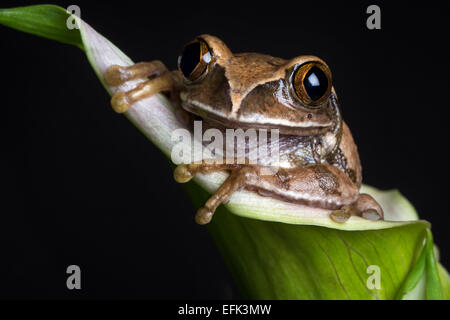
[
  {"x": 46, "y": 21},
  {"x": 271, "y": 260}
]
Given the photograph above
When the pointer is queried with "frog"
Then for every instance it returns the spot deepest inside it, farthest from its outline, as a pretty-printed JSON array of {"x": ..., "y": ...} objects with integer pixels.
[{"x": 319, "y": 164}]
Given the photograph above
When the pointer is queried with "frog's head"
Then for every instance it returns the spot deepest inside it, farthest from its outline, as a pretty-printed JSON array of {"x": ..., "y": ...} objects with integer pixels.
[{"x": 255, "y": 90}]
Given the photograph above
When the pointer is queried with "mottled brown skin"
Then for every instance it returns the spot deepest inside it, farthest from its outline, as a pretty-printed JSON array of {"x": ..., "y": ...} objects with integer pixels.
[{"x": 320, "y": 164}]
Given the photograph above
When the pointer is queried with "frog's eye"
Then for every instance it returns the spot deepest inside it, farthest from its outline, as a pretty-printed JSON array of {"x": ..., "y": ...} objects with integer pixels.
[
  {"x": 193, "y": 61},
  {"x": 312, "y": 83}
]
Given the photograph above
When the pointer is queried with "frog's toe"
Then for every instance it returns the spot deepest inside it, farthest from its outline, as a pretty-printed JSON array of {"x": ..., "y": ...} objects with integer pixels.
[
  {"x": 203, "y": 215},
  {"x": 371, "y": 214},
  {"x": 119, "y": 102},
  {"x": 182, "y": 174},
  {"x": 340, "y": 215},
  {"x": 122, "y": 101},
  {"x": 343, "y": 214},
  {"x": 115, "y": 75},
  {"x": 369, "y": 208}
]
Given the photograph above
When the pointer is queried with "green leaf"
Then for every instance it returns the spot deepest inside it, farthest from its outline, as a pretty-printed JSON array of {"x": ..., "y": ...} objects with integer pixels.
[
  {"x": 47, "y": 21},
  {"x": 414, "y": 277},
  {"x": 433, "y": 289},
  {"x": 271, "y": 260},
  {"x": 276, "y": 250}
]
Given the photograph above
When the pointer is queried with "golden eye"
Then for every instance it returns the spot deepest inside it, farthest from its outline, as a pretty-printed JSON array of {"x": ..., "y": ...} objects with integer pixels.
[
  {"x": 312, "y": 83},
  {"x": 193, "y": 61}
]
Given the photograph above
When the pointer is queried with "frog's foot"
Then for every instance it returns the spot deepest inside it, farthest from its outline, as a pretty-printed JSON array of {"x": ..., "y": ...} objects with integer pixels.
[
  {"x": 239, "y": 177},
  {"x": 343, "y": 214},
  {"x": 365, "y": 206},
  {"x": 368, "y": 208},
  {"x": 185, "y": 172},
  {"x": 158, "y": 79}
]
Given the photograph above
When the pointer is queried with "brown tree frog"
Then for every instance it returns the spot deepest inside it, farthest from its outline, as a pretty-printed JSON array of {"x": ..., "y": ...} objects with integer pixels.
[{"x": 319, "y": 166}]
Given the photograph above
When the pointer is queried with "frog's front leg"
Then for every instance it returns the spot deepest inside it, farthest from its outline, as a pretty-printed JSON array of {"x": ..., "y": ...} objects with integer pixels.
[
  {"x": 158, "y": 79},
  {"x": 240, "y": 176}
]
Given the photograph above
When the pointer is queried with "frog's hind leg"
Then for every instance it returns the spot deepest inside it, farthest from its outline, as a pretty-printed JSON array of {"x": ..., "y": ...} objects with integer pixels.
[
  {"x": 302, "y": 181},
  {"x": 158, "y": 79},
  {"x": 366, "y": 207}
]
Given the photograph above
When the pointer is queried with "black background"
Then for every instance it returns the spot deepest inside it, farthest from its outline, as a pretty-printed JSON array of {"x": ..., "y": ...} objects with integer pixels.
[{"x": 82, "y": 186}]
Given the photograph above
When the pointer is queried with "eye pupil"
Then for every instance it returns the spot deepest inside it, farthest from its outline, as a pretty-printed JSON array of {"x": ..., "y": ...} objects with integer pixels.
[
  {"x": 316, "y": 83},
  {"x": 189, "y": 58},
  {"x": 194, "y": 60}
]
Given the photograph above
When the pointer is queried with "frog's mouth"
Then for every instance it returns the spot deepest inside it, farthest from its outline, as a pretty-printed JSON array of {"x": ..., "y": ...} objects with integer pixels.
[{"x": 215, "y": 120}]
